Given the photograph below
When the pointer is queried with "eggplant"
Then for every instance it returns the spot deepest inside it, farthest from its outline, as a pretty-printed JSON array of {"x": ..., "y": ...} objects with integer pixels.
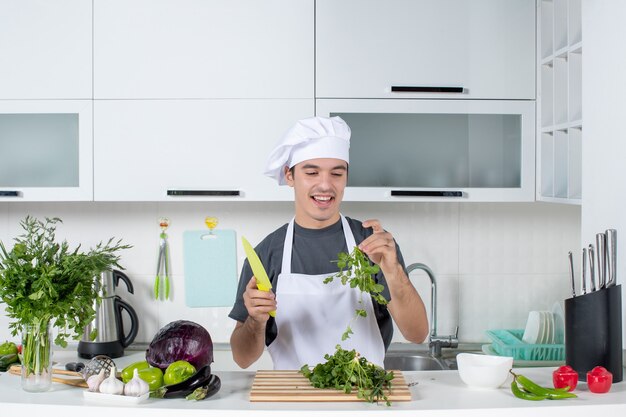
[
  {"x": 206, "y": 391},
  {"x": 201, "y": 378}
]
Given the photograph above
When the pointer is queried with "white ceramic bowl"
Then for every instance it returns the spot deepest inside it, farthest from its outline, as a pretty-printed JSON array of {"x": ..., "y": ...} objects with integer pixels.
[{"x": 483, "y": 371}]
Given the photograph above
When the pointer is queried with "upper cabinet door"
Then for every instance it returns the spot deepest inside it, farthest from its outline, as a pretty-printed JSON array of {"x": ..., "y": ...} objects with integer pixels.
[
  {"x": 484, "y": 48},
  {"x": 46, "y": 150},
  {"x": 45, "y": 49},
  {"x": 203, "y": 49},
  {"x": 190, "y": 150}
]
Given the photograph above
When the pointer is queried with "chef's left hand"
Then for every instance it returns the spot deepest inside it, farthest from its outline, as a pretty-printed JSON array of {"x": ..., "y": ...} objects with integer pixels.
[{"x": 380, "y": 246}]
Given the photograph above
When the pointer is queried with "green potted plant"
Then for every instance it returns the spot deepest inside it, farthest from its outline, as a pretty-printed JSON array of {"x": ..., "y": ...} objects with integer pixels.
[{"x": 44, "y": 284}]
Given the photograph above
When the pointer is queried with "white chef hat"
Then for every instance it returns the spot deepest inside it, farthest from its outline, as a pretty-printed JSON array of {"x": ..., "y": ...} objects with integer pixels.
[{"x": 312, "y": 138}]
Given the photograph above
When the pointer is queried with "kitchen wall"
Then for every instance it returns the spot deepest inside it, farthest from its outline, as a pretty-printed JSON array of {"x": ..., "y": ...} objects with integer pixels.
[
  {"x": 604, "y": 148},
  {"x": 494, "y": 261}
]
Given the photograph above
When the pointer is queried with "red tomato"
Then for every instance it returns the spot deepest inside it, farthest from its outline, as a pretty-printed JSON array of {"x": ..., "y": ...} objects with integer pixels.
[
  {"x": 565, "y": 376},
  {"x": 599, "y": 380}
]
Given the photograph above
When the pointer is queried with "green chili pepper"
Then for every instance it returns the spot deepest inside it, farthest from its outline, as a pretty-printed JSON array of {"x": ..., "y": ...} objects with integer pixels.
[
  {"x": 533, "y": 391},
  {"x": 537, "y": 389},
  {"x": 525, "y": 395}
]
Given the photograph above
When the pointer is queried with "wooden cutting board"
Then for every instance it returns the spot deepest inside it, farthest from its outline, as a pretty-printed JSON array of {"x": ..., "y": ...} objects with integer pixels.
[
  {"x": 291, "y": 386},
  {"x": 76, "y": 382}
]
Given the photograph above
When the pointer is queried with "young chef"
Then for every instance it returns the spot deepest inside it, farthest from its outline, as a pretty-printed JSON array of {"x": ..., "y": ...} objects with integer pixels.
[{"x": 311, "y": 316}]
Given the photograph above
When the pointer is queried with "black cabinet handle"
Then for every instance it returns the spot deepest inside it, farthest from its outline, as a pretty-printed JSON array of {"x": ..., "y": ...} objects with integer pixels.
[
  {"x": 203, "y": 193},
  {"x": 4, "y": 193},
  {"x": 424, "y": 89},
  {"x": 406, "y": 193}
]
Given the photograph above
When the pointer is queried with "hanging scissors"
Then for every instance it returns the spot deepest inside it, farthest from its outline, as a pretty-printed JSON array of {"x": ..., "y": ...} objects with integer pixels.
[{"x": 163, "y": 264}]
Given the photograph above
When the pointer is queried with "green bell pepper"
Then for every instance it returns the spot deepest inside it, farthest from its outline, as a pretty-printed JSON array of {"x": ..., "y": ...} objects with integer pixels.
[
  {"x": 178, "y": 372},
  {"x": 8, "y": 348},
  {"x": 127, "y": 373},
  {"x": 153, "y": 376}
]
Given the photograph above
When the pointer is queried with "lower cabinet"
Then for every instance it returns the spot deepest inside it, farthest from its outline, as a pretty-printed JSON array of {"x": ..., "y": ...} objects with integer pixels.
[{"x": 190, "y": 150}]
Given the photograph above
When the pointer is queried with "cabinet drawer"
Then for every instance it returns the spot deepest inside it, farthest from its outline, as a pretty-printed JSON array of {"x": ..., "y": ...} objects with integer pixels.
[
  {"x": 190, "y": 150},
  {"x": 485, "y": 48}
]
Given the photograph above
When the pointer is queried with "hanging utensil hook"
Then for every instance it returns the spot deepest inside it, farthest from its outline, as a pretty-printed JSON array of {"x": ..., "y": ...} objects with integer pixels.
[{"x": 163, "y": 264}]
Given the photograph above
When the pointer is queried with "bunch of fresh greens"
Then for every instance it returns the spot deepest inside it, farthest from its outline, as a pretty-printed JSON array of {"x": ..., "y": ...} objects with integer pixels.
[
  {"x": 355, "y": 270},
  {"x": 44, "y": 282},
  {"x": 346, "y": 370}
]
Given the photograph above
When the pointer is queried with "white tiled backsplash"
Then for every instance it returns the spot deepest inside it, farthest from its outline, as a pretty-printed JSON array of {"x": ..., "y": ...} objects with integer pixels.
[{"x": 494, "y": 261}]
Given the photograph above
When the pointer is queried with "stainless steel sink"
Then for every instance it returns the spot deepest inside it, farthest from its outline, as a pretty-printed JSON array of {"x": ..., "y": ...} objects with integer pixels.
[
  {"x": 411, "y": 359},
  {"x": 414, "y": 363}
]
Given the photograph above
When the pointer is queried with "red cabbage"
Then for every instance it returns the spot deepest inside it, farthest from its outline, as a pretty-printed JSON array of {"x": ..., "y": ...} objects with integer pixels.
[{"x": 181, "y": 340}]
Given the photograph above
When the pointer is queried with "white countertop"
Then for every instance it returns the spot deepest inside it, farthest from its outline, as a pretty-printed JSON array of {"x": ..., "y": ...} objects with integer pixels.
[{"x": 437, "y": 393}]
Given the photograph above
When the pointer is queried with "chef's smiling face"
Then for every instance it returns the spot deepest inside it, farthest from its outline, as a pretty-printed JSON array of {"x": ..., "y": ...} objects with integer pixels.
[{"x": 318, "y": 187}]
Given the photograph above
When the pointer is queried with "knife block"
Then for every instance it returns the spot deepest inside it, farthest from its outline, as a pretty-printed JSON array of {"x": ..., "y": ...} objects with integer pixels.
[{"x": 593, "y": 332}]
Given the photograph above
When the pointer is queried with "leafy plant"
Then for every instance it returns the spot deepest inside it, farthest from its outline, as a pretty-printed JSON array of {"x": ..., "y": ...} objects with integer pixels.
[
  {"x": 355, "y": 270},
  {"x": 44, "y": 282},
  {"x": 346, "y": 370}
]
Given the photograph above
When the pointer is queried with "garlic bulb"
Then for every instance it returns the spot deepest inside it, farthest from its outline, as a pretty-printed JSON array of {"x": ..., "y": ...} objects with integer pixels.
[
  {"x": 136, "y": 387},
  {"x": 112, "y": 385},
  {"x": 94, "y": 381}
]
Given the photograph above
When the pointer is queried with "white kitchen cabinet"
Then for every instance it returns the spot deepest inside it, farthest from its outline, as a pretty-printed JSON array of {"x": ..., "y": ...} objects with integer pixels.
[
  {"x": 45, "y": 49},
  {"x": 190, "y": 150},
  {"x": 46, "y": 150},
  {"x": 150, "y": 49},
  {"x": 438, "y": 150},
  {"x": 485, "y": 48},
  {"x": 559, "y": 176}
]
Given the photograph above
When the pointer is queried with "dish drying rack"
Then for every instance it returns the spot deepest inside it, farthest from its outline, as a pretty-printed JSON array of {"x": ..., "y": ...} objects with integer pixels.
[{"x": 508, "y": 342}]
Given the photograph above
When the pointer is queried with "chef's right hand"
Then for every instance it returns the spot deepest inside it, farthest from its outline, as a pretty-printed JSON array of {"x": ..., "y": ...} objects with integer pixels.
[{"x": 258, "y": 303}]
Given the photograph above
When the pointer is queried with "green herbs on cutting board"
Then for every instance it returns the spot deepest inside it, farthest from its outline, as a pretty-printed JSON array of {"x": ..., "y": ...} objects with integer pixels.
[
  {"x": 346, "y": 370},
  {"x": 355, "y": 270}
]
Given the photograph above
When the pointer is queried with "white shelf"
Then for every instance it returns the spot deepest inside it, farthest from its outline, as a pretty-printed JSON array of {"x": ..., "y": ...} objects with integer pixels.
[
  {"x": 547, "y": 165},
  {"x": 560, "y": 91},
  {"x": 560, "y": 24},
  {"x": 547, "y": 95},
  {"x": 575, "y": 156},
  {"x": 575, "y": 22},
  {"x": 561, "y": 52},
  {"x": 561, "y": 162},
  {"x": 547, "y": 44},
  {"x": 575, "y": 86},
  {"x": 574, "y": 202},
  {"x": 574, "y": 124},
  {"x": 560, "y": 102}
]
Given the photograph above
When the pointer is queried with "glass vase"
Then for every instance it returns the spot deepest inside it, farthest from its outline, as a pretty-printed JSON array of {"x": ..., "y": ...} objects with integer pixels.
[{"x": 36, "y": 357}]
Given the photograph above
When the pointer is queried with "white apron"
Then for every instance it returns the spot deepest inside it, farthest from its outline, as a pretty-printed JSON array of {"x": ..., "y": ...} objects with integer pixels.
[{"x": 311, "y": 316}]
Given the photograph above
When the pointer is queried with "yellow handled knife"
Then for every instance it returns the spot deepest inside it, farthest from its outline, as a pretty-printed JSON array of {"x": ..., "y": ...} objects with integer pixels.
[{"x": 262, "y": 280}]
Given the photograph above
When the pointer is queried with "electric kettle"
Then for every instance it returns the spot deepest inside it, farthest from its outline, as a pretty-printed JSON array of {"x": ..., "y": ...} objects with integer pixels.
[{"x": 110, "y": 338}]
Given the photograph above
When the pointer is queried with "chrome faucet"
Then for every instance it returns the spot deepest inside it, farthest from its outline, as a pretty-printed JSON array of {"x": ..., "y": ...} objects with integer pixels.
[{"x": 435, "y": 342}]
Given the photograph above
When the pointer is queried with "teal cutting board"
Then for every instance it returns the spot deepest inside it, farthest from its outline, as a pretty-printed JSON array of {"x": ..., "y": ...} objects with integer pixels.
[{"x": 210, "y": 268}]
